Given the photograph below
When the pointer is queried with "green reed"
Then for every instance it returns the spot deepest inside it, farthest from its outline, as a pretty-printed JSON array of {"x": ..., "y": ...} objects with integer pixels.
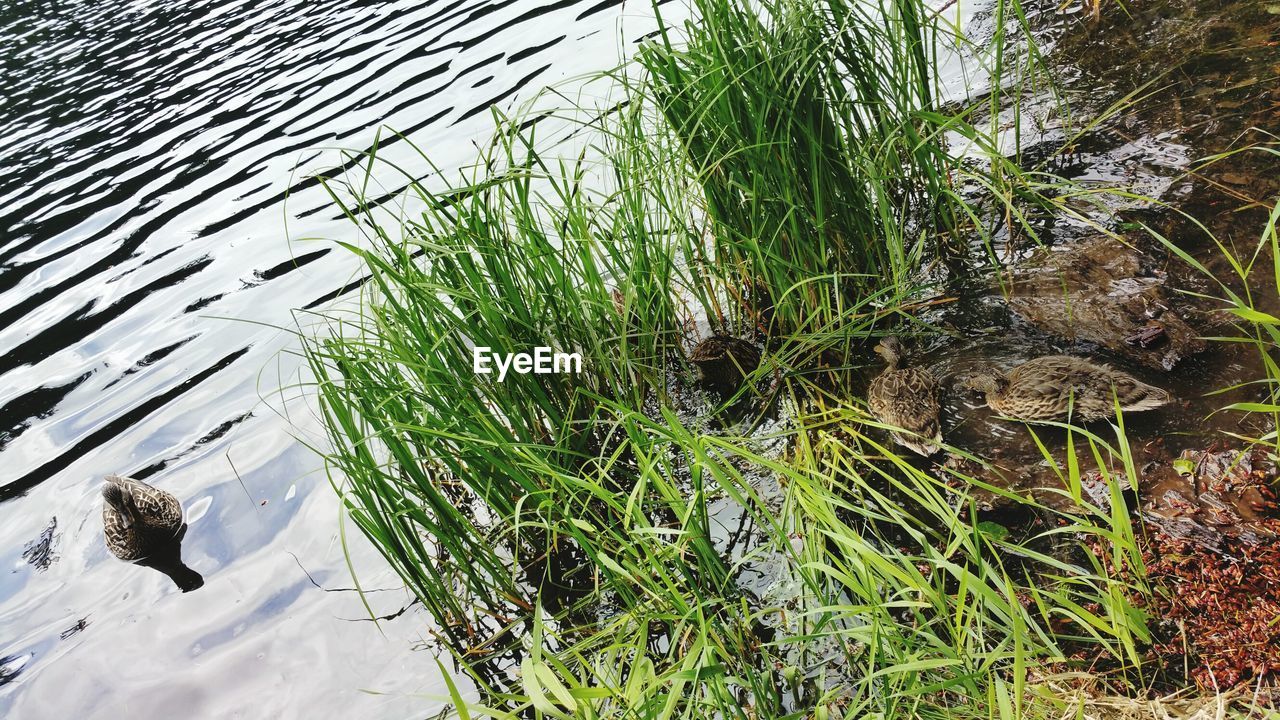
[
  {"x": 802, "y": 126},
  {"x": 782, "y": 173}
]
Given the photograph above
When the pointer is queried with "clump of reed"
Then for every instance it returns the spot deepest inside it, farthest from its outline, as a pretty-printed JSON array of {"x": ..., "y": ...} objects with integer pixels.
[
  {"x": 806, "y": 128},
  {"x": 434, "y": 454}
]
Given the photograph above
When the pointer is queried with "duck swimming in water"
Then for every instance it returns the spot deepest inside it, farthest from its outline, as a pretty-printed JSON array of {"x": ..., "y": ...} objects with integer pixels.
[
  {"x": 725, "y": 361},
  {"x": 906, "y": 398},
  {"x": 1057, "y": 387},
  {"x": 143, "y": 524}
]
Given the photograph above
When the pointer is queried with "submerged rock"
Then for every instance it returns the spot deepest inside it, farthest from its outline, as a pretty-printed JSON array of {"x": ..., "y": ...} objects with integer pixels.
[{"x": 1104, "y": 292}]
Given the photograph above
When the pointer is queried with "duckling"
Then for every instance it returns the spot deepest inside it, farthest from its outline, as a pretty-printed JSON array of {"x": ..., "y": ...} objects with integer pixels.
[
  {"x": 906, "y": 398},
  {"x": 724, "y": 361},
  {"x": 1055, "y": 387},
  {"x": 143, "y": 524}
]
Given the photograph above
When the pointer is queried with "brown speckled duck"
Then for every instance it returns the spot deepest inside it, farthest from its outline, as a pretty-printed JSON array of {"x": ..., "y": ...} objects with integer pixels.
[
  {"x": 906, "y": 398},
  {"x": 724, "y": 361},
  {"x": 1056, "y": 387},
  {"x": 144, "y": 525}
]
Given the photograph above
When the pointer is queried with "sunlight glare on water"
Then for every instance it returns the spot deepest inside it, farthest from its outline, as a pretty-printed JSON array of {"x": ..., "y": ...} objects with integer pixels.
[{"x": 147, "y": 256}]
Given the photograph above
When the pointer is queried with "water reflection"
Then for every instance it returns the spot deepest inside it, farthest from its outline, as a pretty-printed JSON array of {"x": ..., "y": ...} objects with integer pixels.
[
  {"x": 11, "y": 666},
  {"x": 168, "y": 561},
  {"x": 39, "y": 553},
  {"x": 147, "y": 264}
]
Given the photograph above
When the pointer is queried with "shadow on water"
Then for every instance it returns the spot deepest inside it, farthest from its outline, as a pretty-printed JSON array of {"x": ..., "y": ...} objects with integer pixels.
[{"x": 167, "y": 561}]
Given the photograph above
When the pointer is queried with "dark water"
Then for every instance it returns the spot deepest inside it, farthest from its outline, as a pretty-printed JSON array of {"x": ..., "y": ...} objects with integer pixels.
[
  {"x": 1204, "y": 73},
  {"x": 147, "y": 257}
]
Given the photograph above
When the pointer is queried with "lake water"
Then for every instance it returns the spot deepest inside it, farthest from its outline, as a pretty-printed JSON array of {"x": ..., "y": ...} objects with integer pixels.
[{"x": 155, "y": 219}]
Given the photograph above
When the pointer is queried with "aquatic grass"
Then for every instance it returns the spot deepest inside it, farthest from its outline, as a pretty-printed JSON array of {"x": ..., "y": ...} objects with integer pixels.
[
  {"x": 785, "y": 175},
  {"x": 420, "y": 432},
  {"x": 967, "y": 574},
  {"x": 903, "y": 606},
  {"x": 804, "y": 146},
  {"x": 801, "y": 126}
]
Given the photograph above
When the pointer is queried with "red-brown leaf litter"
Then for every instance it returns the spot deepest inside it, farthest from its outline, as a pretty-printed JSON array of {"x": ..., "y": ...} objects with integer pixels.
[{"x": 1215, "y": 589}]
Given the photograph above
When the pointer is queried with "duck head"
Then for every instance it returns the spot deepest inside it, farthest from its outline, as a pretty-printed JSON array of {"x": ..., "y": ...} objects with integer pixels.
[
  {"x": 890, "y": 348},
  {"x": 118, "y": 498},
  {"x": 987, "y": 382}
]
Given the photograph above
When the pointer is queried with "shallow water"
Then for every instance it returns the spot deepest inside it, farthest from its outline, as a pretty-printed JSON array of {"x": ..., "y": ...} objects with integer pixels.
[
  {"x": 1212, "y": 85},
  {"x": 155, "y": 214}
]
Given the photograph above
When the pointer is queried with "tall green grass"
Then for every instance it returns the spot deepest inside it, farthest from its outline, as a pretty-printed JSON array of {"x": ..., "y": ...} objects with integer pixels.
[
  {"x": 436, "y": 455},
  {"x": 805, "y": 126},
  {"x": 779, "y": 173}
]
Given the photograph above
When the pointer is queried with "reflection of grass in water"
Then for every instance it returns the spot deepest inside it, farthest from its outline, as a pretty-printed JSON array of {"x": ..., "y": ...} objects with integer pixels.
[{"x": 784, "y": 175}]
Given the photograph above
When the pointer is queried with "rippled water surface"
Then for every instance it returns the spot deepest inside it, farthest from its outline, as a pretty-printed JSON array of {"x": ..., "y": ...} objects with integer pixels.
[{"x": 147, "y": 249}]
